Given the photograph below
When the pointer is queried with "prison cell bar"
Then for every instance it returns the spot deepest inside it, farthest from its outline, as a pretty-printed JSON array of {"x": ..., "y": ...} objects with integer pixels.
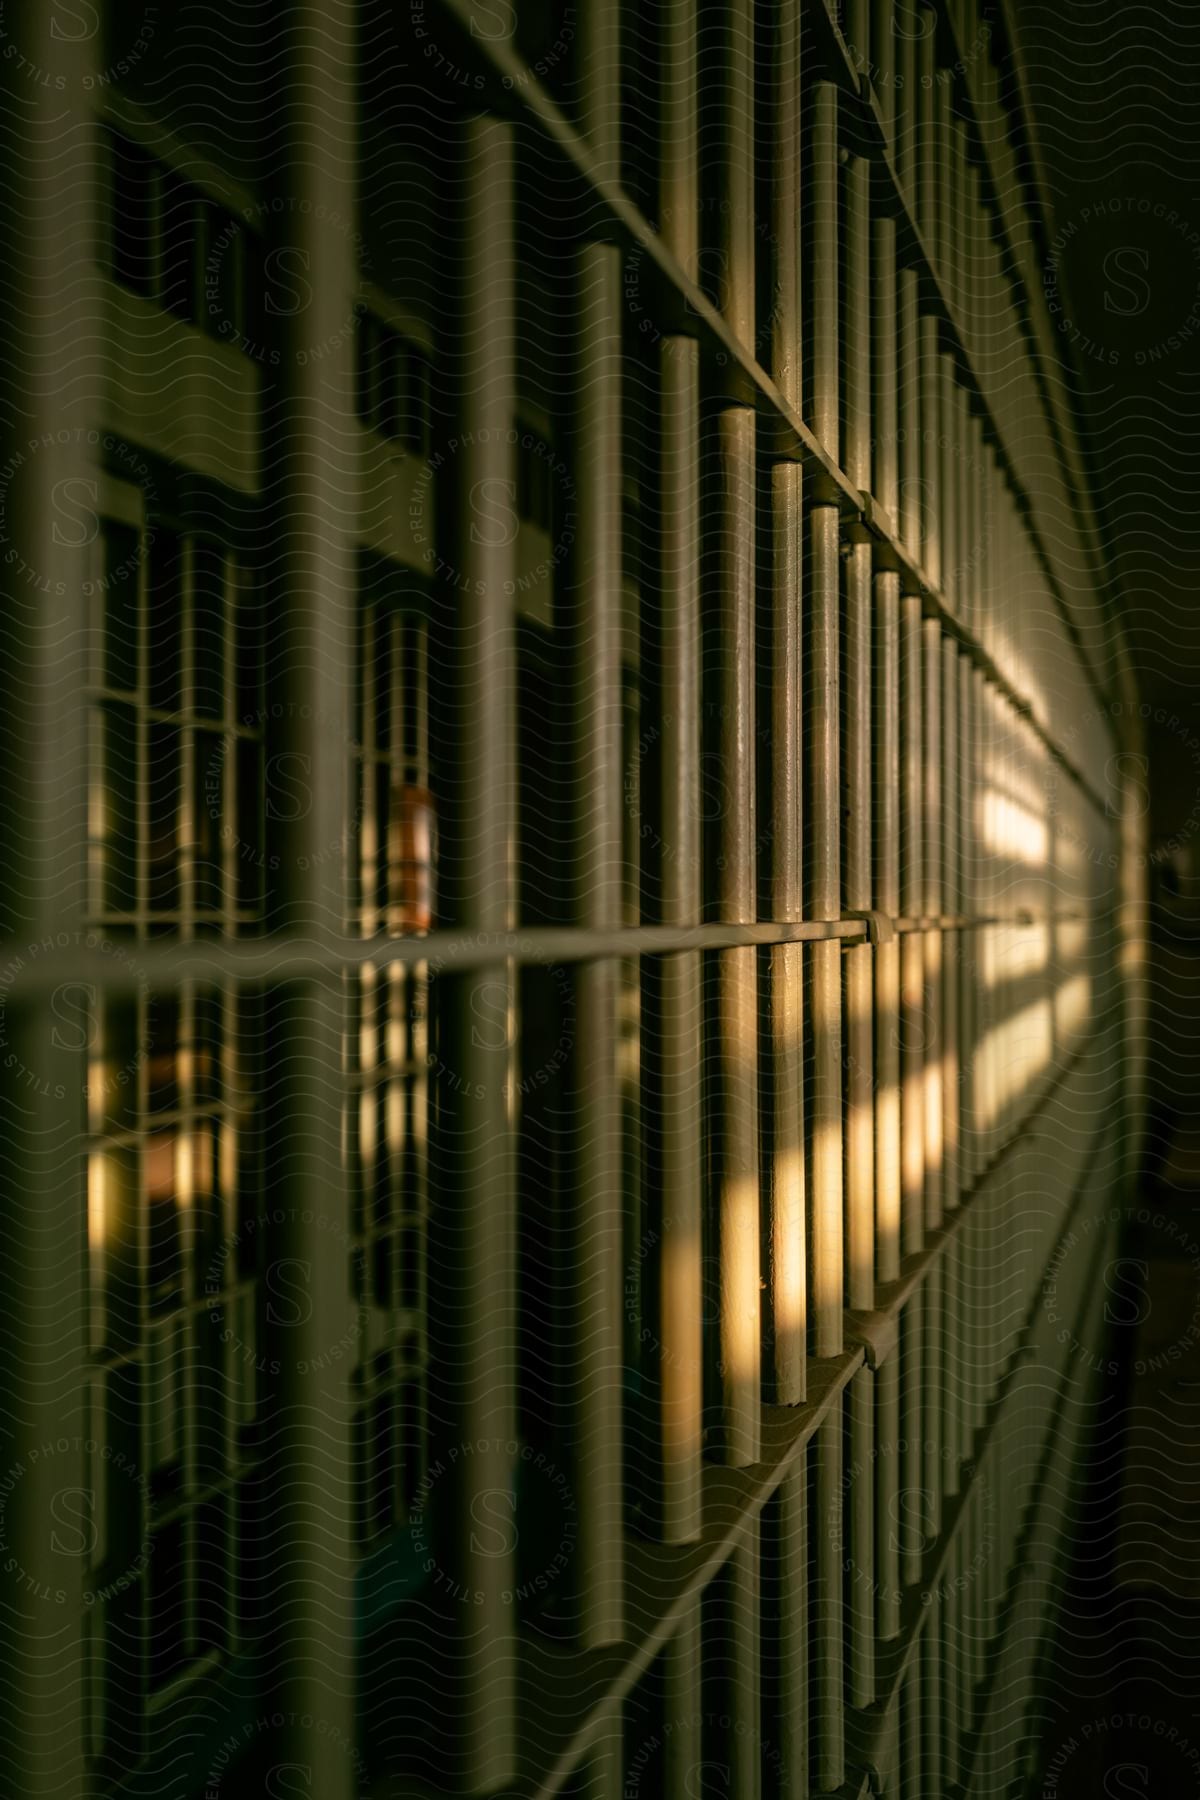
[
  {"x": 789, "y": 1300},
  {"x": 855, "y": 704},
  {"x": 858, "y": 958},
  {"x": 737, "y": 1005},
  {"x": 912, "y": 957},
  {"x": 787, "y": 362},
  {"x": 311, "y": 1618},
  {"x": 883, "y": 62},
  {"x": 888, "y": 1067},
  {"x": 736, "y": 217},
  {"x": 679, "y": 140},
  {"x": 476, "y": 1144},
  {"x": 932, "y": 908},
  {"x": 820, "y": 193},
  {"x": 886, "y": 760},
  {"x": 952, "y": 903},
  {"x": 859, "y": 1532},
  {"x": 48, "y": 274},
  {"x": 597, "y": 735},
  {"x": 794, "y": 1651},
  {"x": 927, "y": 423},
  {"x": 828, "y": 1640},
  {"x": 737, "y": 1012},
  {"x": 679, "y": 1024},
  {"x": 825, "y": 891}
]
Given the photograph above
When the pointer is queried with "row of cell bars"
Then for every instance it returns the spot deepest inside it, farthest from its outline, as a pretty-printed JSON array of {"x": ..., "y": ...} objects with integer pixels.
[
  {"x": 687, "y": 1166},
  {"x": 799, "y": 1129}
]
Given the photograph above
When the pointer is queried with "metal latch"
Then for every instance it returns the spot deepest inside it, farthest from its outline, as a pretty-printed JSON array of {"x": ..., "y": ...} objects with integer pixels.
[{"x": 880, "y": 929}]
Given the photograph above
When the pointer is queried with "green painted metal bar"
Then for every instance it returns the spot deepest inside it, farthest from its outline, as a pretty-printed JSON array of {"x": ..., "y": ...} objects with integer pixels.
[
  {"x": 737, "y": 970},
  {"x": 51, "y": 1526},
  {"x": 597, "y": 1246},
  {"x": 821, "y": 194},
  {"x": 789, "y": 1270},
  {"x": 932, "y": 828},
  {"x": 859, "y": 1532},
  {"x": 828, "y": 1755},
  {"x": 310, "y": 1625},
  {"x": 679, "y": 1025},
  {"x": 476, "y": 1145},
  {"x": 787, "y": 362},
  {"x": 826, "y": 1227}
]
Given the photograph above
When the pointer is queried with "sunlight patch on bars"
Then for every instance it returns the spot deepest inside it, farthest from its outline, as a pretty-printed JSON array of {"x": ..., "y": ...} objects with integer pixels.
[{"x": 500, "y": 1369}]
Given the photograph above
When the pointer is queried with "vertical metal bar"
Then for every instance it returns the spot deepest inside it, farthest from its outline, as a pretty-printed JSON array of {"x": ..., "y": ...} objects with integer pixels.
[
  {"x": 887, "y": 1486},
  {"x": 983, "y": 1272},
  {"x": 976, "y": 1629},
  {"x": 743, "y": 1648},
  {"x": 952, "y": 1372},
  {"x": 825, "y": 787},
  {"x": 932, "y": 907},
  {"x": 824, "y": 870},
  {"x": 969, "y": 948},
  {"x": 986, "y": 752},
  {"x": 827, "y": 1256},
  {"x": 787, "y": 362},
  {"x": 823, "y": 197},
  {"x": 962, "y": 1667},
  {"x": 904, "y": 139},
  {"x": 932, "y": 1361},
  {"x": 950, "y": 524},
  {"x": 928, "y": 170},
  {"x": 953, "y": 908},
  {"x": 47, "y": 303},
  {"x": 856, "y": 710},
  {"x": 856, "y": 324},
  {"x": 974, "y": 1301},
  {"x": 969, "y": 535},
  {"x": 856, "y": 32},
  {"x": 683, "y": 1744},
  {"x": 861, "y": 1496},
  {"x": 829, "y": 1707},
  {"x": 972, "y": 260},
  {"x": 983, "y": 995},
  {"x": 737, "y": 171},
  {"x": 475, "y": 1366},
  {"x": 738, "y": 969},
  {"x": 883, "y": 61},
  {"x": 888, "y": 1756},
  {"x": 794, "y": 1662},
  {"x": 884, "y": 475},
  {"x": 930, "y": 1652},
  {"x": 912, "y": 1785},
  {"x": 886, "y": 815},
  {"x": 859, "y": 1033},
  {"x": 600, "y": 87},
  {"x": 948, "y": 1674},
  {"x": 789, "y": 1249},
  {"x": 944, "y": 180},
  {"x": 312, "y": 1624},
  {"x": 679, "y": 140},
  {"x": 954, "y": 263},
  {"x": 603, "y": 1771},
  {"x": 679, "y": 700},
  {"x": 908, "y": 1507},
  {"x": 596, "y": 1385},
  {"x": 932, "y": 561},
  {"x": 908, "y": 399},
  {"x": 912, "y": 956}
]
